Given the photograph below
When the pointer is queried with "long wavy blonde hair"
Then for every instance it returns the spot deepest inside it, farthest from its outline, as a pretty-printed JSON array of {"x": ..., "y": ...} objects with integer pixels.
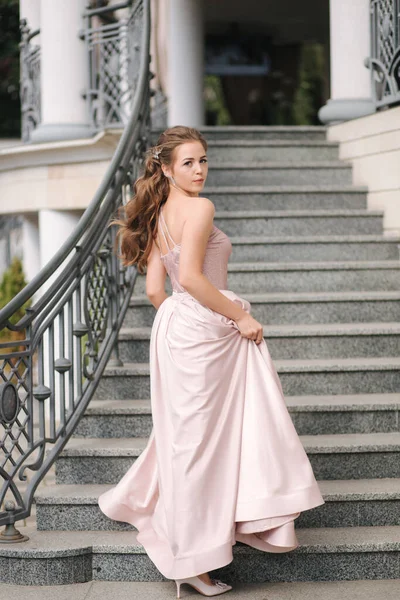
[{"x": 138, "y": 219}]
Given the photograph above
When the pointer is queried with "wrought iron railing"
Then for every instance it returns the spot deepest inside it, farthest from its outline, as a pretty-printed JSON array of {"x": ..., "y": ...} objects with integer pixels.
[
  {"x": 384, "y": 61},
  {"x": 159, "y": 111},
  {"x": 29, "y": 80},
  {"x": 54, "y": 356},
  {"x": 113, "y": 72},
  {"x": 112, "y": 44}
]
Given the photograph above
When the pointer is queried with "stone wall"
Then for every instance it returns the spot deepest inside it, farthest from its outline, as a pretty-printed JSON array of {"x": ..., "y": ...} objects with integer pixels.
[{"x": 372, "y": 145}]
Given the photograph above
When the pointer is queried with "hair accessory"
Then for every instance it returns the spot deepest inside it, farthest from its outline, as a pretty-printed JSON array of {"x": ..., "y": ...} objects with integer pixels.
[{"x": 156, "y": 154}]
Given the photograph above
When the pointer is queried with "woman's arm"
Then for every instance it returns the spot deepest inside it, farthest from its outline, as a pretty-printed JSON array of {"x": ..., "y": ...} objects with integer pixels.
[{"x": 196, "y": 231}]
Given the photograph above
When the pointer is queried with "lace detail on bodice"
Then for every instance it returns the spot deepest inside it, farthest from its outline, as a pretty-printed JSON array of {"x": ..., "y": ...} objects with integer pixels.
[{"x": 215, "y": 265}]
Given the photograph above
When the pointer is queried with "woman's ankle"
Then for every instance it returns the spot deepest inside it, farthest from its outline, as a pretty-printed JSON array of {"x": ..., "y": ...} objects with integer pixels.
[{"x": 205, "y": 577}]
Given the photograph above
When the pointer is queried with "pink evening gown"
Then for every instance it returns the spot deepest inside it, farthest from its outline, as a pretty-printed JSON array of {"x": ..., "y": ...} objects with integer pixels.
[{"x": 223, "y": 462}]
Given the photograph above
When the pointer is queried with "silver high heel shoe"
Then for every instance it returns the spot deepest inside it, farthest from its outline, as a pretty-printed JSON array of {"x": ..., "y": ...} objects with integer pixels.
[{"x": 218, "y": 586}]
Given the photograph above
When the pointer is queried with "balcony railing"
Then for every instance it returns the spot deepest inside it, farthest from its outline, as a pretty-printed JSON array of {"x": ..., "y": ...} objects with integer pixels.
[
  {"x": 384, "y": 61},
  {"x": 29, "y": 80},
  {"x": 112, "y": 36},
  {"x": 52, "y": 358},
  {"x": 113, "y": 68}
]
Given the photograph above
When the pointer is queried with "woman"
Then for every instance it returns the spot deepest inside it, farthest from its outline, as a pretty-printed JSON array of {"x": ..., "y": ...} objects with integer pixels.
[{"x": 223, "y": 461}]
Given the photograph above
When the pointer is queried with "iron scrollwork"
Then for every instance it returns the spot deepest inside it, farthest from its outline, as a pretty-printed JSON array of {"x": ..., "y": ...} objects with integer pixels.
[
  {"x": 112, "y": 47},
  {"x": 9, "y": 403},
  {"x": 53, "y": 356},
  {"x": 384, "y": 61}
]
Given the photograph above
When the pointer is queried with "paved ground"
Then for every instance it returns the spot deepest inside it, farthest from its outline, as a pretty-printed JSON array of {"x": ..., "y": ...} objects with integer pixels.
[{"x": 96, "y": 590}]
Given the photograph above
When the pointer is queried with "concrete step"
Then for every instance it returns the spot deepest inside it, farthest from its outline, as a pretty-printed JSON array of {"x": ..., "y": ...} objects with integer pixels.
[
  {"x": 359, "y": 589},
  {"x": 325, "y": 553},
  {"x": 322, "y": 248},
  {"x": 332, "y": 276},
  {"x": 297, "y": 223},
  {"x": 311, "y": 415},
  {"x": 338, "y": 456},
  {"x": 297, "y": 308},
  {"x": 286, "y": 197},
  {"x": 275, "y": 150},
  {"x": 256, "y": 132},
  {"x": 344, "y": 413},
  {"x": 115, "y": 419},
  {"x": 348, "y": 503},
  {"x": 280, "y": 173},
  {"x": 298, "y": 377},
  {"x": 345, "y": 340}
]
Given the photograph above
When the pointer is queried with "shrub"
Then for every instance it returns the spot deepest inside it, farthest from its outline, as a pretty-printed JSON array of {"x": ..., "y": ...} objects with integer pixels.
[
  {"x": 308, "y": 97},
  {"x": 13, "y": 281}
]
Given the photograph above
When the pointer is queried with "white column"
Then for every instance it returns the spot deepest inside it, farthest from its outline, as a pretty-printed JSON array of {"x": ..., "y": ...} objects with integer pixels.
[
  {"x": 30, "y": 10},
  {"x": 349, "y": 46},
  {"x": 30, "y": 245},
  {"x": 185, "y": 63},
  {"x": 54, "y": 228},
  {"x": 63, "y": 72}
]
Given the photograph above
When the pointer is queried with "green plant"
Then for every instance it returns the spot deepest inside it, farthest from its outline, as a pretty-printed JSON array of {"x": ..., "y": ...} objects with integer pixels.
[
  {"x": 281, "y": 109},
  {"x": 308, "y": 96},
  {"x": 13, "y": 281},
  {"x": 214, "y": 100}
]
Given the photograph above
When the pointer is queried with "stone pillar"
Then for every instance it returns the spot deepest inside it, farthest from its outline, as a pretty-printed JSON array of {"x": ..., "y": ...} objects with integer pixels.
[
  {"x": 30, "y": 245},
  {"x": 54, "y": 228},
  {"x": 185, "y": 63},
  {"x": 63, "y": 72},
  {"x": 349, "y": 46}
]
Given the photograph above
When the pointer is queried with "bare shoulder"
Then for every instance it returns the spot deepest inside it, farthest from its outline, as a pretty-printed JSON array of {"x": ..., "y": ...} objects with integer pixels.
[{"x": 200, "y": 208}]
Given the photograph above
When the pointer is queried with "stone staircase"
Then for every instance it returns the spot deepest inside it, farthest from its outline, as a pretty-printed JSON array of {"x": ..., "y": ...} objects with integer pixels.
[{"x": 325, "y": 282}]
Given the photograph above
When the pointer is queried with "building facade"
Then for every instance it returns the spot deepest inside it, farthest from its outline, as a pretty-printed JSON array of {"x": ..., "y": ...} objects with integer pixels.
[{"x": 76, "y": 82}]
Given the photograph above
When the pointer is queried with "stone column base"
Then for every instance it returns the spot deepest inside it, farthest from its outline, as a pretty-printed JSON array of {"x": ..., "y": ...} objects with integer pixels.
[
  {"x": 53, "y": 132},
  {"x": 345, "y": 109}
]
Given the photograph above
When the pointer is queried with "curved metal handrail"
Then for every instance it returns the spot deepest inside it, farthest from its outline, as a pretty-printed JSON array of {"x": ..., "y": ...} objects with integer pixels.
[{"x": 66, "y": 338}]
